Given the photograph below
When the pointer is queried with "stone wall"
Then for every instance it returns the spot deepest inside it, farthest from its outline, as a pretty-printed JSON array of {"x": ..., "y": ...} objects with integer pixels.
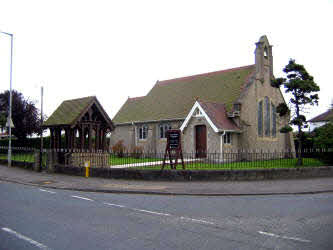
[
  {"x": 200, "y": 175},
  {"x": 97, "y": 160}
]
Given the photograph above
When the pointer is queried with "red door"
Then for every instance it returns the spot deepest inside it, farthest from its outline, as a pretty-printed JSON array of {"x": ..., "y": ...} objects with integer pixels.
[{"x": 200, "y": 141}]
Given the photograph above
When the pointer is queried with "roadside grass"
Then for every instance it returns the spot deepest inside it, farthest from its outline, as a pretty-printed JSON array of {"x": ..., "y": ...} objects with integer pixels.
[{"x": 245, "y": 165}]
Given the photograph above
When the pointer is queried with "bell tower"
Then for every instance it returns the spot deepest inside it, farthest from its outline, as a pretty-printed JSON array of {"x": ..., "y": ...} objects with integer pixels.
[{"x": 263, "y": 59}]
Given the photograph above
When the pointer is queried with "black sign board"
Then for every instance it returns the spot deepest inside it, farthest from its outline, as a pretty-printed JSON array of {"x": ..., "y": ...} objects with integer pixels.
[
  {"x": 173, "y": 144},
  {"x": 173, "y": 139}
]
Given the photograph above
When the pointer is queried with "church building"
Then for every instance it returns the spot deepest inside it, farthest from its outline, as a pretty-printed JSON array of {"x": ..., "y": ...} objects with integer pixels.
[{"x": 232, "y": 109}]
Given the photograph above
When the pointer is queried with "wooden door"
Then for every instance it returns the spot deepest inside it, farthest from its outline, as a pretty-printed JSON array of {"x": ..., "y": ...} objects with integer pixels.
[{"x": 200, "y": 141}]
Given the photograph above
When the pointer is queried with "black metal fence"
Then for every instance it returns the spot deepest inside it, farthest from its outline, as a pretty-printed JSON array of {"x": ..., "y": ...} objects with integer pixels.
[
  {"x": 19, "y": 156},
  {"x": 231, "y": 160},
  {"x": 22, "y": 156},
  {"x": 241, "y": 159}
]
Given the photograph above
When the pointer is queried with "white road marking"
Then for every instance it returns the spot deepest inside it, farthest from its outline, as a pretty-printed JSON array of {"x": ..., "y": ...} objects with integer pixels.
[
  {"x": 82, "y": 198},
  {"x": 43, "y": 190},
  {"x": 159, "y": 213},
  {"x": 150, "y": 212},
  {"x": 284, "y": 237},
  {"x": 114, "y": 205},
  {"x": 196, "y": 220},
  {"x": 22, "y": 237}
]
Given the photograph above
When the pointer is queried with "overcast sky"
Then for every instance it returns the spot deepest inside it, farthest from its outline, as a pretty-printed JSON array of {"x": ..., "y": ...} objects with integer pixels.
[{"x": 116, "y": 49}]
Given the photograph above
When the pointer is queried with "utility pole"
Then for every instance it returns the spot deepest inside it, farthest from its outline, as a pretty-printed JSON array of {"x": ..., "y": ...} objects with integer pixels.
[
  {"x": 41, "y": 129},
  {"x": 10, "y": 99}
]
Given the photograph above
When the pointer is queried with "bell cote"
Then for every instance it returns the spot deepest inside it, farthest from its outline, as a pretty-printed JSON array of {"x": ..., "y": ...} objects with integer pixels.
[{"x": 263, "y": 59}]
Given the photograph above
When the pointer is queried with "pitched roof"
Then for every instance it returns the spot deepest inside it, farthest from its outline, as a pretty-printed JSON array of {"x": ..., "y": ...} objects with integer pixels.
[
  {"x": 218, "y": 115},
  {"x": 324, "y": 117},
  {"x": 70, "y": 111},
  {"x": 173, "y": 99}
]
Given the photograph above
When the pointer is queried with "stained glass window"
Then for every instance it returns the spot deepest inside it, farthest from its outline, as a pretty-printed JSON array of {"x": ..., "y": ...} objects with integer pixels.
[
  {"x": 267, "y": 117},
  {"x": 260, "y": 116}
]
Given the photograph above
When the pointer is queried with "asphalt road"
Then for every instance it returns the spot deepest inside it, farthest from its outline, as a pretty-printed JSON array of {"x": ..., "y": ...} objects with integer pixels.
[{"x": 34, "y": 218}]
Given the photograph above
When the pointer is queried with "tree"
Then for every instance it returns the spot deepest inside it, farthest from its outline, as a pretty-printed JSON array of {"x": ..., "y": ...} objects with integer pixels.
[
  {"x": 25, "y": 115},
  {"x": 323, "y": 136},
  {"x": 2, "y": 120},
  {"x": 300, "y": 84}
]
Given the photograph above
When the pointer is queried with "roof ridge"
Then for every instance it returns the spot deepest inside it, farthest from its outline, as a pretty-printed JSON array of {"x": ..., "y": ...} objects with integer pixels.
[
  {"x": 81, "y": 98},
  {"x": 322, "y": 115},
  {"x": 203, "y": 74},
  {"x": 221, "y": 103},
  {"x": 135, "y": 98}
]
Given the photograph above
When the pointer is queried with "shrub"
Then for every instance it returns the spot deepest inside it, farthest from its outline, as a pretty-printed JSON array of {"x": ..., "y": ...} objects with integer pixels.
[
  {"x": 137, "y": 152},
  {"x": 119, "y": 149},
  {"x": 324, "y": 136}
]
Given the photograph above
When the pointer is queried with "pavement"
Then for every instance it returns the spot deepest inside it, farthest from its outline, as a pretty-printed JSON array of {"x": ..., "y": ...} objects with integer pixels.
[{"x": 200, "y": 188}]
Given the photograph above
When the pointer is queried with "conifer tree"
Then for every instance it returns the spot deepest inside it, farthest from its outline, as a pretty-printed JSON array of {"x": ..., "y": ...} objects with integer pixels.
[{"x": 300, "y": 84}]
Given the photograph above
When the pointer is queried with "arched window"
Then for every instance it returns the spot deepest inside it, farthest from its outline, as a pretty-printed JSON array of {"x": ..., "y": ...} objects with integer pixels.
[
  {"x": 260, "y": 118},
  {"x": 273, "y": 120},
  {"x": 267, "y": 116},
  {"x": 265, "y": 52}
]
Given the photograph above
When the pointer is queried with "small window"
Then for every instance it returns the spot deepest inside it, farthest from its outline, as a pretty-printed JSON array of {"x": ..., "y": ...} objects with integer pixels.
[
  {"x": 143, "y": 132},
  {"x": 227, "y": 138},
  {"x": 163, "y": 129},
  {"x": 237, "y": 107},
  {"x": 198, "y": 113}
]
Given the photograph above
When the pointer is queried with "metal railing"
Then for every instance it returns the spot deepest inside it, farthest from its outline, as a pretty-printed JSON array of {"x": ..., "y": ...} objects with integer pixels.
[{"x": 231, "y": 160}]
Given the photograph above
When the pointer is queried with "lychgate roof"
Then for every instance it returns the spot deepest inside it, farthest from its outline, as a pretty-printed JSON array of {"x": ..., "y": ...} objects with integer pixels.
[
  {"x": 173, "y": 99},
  {"x": 70, "y": 111}
]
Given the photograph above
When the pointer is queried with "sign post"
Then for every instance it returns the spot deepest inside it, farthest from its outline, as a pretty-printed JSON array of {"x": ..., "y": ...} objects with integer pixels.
[{"x": 173, "y": 145}]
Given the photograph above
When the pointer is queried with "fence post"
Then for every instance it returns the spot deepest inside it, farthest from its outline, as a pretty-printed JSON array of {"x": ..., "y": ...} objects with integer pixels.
[
  {"x": 51, "y": 161},
  {"x": 37, "y": 161}
]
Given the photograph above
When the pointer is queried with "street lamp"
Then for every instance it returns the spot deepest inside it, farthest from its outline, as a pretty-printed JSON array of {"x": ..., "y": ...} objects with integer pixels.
[
  {"x": 10, "y": 99},
  {"x": 41, "y": 129}
]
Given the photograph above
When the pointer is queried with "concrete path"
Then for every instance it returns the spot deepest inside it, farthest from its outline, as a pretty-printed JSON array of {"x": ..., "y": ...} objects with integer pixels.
[
  {"x": 206, "y": 188},
  {"x": 152, "y": 163}
]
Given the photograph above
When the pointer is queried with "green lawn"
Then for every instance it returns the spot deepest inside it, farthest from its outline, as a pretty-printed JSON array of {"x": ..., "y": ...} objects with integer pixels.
[
  {"x": 268, "y": 164},
  {"x": 28, "y": 157},
  {"x": 115, "y": 160},
  {"x": 23, "y": 157},
  {"x": 197, "y": 165}
]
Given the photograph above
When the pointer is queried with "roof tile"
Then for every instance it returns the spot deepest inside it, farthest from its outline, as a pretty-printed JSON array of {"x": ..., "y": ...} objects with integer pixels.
[{"x": 173, "y": 99}]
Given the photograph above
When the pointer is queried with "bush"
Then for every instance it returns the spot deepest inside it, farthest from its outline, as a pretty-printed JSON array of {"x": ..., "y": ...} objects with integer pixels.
[
  {"x": 323, "y": 136},
  {"x": 137, "y": 152},
  {"x": 119, "y": 149}
]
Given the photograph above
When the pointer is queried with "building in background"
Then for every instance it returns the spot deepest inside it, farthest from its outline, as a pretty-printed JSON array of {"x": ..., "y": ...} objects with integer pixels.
[{"x": 321, "y": 119}]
